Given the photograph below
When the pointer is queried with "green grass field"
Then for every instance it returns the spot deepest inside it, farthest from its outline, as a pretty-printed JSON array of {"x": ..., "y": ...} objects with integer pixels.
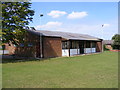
[{"x": 90, "y": 71}]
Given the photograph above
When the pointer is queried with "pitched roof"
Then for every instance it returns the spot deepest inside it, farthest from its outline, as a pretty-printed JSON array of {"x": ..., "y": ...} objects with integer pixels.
[
  {"x": 108, "y": 42},
  {"x": 65, "y": 35}
]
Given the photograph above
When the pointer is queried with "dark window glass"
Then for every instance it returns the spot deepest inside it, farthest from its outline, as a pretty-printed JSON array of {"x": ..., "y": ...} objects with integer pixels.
[
  {"x": 87, "y": 44},
  {"x": 93, "y": 44},
  {"x": 21, "y": 45},
  {"x": 30, "y": 44},
  {"x": 74, "y": 44}
]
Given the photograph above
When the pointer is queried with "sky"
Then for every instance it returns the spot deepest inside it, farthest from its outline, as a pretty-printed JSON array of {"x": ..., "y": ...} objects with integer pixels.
[{"x": 99, "y": 19}]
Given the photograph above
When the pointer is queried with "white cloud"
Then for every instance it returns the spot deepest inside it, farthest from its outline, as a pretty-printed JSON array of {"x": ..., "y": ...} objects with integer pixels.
[
  {"x": 75, "y": 15},
  {"x": 56, "y": 13},
  {"x": 49, "y": 25},
  {"x": 106, "y": 25}
]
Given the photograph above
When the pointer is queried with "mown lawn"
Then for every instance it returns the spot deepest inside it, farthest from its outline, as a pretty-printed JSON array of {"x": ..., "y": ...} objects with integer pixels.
[{"x": 90, "y": 71}]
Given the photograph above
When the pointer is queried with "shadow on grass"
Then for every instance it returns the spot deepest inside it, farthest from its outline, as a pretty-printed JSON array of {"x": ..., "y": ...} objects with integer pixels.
[{"x": 15, "y": 59}]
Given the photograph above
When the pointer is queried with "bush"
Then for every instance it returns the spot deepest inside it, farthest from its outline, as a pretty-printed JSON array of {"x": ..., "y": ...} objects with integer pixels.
[
  {"x": 116, "y": 47},
  {"x": 116, "y": 43}
]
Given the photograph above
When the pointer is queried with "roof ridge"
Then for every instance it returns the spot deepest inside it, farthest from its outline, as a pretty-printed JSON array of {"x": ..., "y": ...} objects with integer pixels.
[
  {"x": 62, "y": 32},
  {"x": 67, "y": 35}
]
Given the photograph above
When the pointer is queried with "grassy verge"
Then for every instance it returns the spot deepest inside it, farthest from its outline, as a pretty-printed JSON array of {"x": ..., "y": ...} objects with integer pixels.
[{"x": 91, "y": 71}]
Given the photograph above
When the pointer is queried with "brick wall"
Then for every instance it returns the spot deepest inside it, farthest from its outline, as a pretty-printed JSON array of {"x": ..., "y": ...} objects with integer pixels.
[
  {"x": 99, "y": 46},
  {"x": 28, "y": 51},
  {"x": 11, "y": 48},
  {"x": 25, "y": 51},
  {"x": 52, "y": 47}
]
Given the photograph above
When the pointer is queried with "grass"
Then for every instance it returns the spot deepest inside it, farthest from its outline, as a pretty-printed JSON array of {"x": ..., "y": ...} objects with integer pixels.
[{"x": 90, "y": 71}]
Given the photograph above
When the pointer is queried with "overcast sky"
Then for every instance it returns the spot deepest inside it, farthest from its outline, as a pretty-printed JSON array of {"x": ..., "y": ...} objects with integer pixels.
[{"x": 77, "y": 17}]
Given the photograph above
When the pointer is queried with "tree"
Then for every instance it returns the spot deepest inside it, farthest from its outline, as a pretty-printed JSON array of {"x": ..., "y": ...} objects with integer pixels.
[
  {"x": 15, "y": 19},
  {"x": 116, "y": 43}
]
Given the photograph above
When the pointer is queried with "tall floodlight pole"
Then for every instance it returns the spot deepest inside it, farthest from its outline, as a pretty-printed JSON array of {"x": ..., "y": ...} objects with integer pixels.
[
  {"x": 102, "y": 38},
  {"x": 41, "y": 53}
]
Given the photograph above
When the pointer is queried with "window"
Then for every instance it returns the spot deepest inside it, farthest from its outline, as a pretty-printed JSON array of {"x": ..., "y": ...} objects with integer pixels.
[
  {"x": 88, "y": 44},
  {"x": 30, "y": 44},
  {"x": 65, "y": 45},
  {"x": 74, "y": 45},
  {"x": 93, "y": 44},
  {"x": 21, "y": 45}
]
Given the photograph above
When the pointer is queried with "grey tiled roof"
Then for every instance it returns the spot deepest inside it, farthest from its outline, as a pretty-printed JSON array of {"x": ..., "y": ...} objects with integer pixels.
[
  {"x": 108, "y": 42},
  {"x": 65, "y": 35}
]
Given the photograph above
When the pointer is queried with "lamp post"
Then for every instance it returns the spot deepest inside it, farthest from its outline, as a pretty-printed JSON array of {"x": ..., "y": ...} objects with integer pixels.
[
  {"x": 102, "y": 38},
  {"x": 41, "y": 53}
]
